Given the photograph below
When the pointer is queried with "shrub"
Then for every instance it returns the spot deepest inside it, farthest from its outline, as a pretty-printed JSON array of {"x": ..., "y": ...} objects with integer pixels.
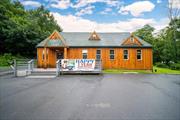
[
  {"x": 5, "y": 59},
  {"x": 175, "y": 66},
  {"x": 162, "y": 65}
]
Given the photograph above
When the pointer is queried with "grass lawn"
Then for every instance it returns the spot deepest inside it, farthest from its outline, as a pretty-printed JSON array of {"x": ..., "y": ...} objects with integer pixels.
[
  {"x": 159, "y": 71},
  {"x": 165, "y": 71}
]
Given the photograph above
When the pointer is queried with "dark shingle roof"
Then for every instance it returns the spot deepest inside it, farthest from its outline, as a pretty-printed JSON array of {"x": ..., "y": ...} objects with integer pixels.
[{"x": 81, "y": 39}]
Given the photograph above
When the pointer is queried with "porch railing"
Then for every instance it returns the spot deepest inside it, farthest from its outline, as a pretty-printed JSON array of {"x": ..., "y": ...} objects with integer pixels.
[
  {"x": 23, "y": 65},
  {"x": 58, "y": 66}
]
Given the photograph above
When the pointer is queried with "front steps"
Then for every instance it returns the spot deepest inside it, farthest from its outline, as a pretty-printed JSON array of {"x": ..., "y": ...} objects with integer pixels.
[{"x": 42, "y": 73}]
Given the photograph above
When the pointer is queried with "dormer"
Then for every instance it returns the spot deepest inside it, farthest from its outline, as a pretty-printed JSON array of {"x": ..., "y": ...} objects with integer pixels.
[
  {"x": 132, "y": 41},
  {"x": 94, "y": 36}
]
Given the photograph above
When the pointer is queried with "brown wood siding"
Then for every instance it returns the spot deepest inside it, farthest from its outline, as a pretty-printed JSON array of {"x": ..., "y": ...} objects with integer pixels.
[
  {"x": 39, "y": 57},
  {"x": 117, "y": 63},
  {"x": 49, "y": 59}
]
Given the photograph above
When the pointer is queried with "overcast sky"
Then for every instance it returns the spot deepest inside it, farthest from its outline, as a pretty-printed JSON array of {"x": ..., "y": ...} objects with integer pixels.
[{"x": 106, "y": 15}]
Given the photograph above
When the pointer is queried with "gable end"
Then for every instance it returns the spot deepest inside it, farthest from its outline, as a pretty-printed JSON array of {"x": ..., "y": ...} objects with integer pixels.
[{"x": 131, "y": 41}]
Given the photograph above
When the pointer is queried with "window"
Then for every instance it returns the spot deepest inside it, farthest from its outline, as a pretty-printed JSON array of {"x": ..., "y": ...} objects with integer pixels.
[
  {"x": 132, "y": 39},
  {"x": 139, "y": 54},
  {"x": 98, "y": 54},
  {"x": 125, "y": 52},
  {"x": 43, "y": 55},
  {"x": 84, "y": 54},
  {"x": 47, "y": 54},
  {"x": 94, "y": 36},
  {"x": 111, "y": 54}
]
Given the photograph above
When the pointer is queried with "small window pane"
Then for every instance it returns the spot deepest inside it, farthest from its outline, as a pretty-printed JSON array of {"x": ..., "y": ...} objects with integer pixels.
[
  {"x": 138, "y": 56},
  {"x": 84, "y": 55},
  {"x": 111, "y": 51},
  {"x": 98, "y": 52},
  {"x": 125, "y": 57},
  {"x": 125, "y": 52},
  {"x": 98, "y": 57},
  {"x": 111, "y": 56},
  {"x": 138, "y": 51}
]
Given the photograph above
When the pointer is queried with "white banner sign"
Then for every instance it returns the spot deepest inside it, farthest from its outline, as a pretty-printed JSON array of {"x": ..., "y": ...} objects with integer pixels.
[{"x": 78, "y": 64}]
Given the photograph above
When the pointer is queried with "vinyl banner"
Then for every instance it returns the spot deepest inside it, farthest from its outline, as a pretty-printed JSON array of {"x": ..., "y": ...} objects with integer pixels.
[
  {"x": 68, "y": 64},
  {"x": 78, "y": 64},
  {"x": 85, "y": 64}
]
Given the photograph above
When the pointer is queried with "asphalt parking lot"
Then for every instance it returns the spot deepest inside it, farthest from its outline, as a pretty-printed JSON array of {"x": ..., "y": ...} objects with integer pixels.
[{"x": 96, "y": 97}]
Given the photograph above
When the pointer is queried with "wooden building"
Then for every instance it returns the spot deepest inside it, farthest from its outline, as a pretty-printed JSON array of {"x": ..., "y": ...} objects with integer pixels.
[{"x": 116, "y": 50}]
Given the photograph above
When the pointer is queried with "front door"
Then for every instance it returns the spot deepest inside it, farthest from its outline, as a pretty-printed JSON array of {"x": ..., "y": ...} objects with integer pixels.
[{"x": 60, "y": 55}]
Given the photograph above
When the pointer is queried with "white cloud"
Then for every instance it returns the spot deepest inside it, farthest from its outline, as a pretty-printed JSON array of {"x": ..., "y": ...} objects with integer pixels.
[
  {"x": 72, "y": 23},
  {"x": 61, "y": 4},
  {"x": 87, "y": 10},
  {"x": 174, "y": 3},
  {"x": 106, "y": 11},
  {"x": 83, "y": 3},
  {"x": 162, "y": 23},
  {"x": 137, "y": 8},
  {"x": 31, "y": 3},
  {"x": 159, "y": 1}
]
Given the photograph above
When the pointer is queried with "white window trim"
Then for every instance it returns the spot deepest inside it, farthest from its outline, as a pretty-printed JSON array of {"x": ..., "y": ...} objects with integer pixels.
[
  {"x": 137, "y": 54},
  {"x": 127, "y": 54}
]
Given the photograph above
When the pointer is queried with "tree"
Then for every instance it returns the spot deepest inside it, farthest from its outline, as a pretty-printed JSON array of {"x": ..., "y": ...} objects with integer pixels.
[
  {"x": 21, "y": 30},
  {"x": 163, "y": 49},
  {"x": 145, "y": 33},
  {"x": 174, "y": 12}
]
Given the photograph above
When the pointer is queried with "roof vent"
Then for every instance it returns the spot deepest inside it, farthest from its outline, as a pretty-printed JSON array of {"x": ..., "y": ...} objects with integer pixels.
[{"x": 94, "y": 36}]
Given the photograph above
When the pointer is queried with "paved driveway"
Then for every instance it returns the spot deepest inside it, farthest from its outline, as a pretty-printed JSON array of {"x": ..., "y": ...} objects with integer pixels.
[{"x": 96, "y": 97}]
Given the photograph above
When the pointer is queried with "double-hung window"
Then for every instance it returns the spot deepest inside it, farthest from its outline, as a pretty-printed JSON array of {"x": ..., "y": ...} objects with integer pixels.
[
  {"x": 84, "y": 54},
  {"x": 125, "y": 54},
  {"x": 139, "y": 55},
  {"x": 98, "y": 54},
  {"x": 111, "y": 54}
]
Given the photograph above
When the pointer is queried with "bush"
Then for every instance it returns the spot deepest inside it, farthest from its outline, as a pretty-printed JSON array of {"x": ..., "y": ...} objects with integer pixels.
[
  {"x": 5, "y": 59},
  {"x": 175, "y": 66},
  {"x": 162, "y": 65}
]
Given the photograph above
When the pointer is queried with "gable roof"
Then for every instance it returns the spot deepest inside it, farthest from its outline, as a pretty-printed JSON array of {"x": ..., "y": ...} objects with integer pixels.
[
  {"x": 54, "y": 40},
  {"x": 81, "y": 39}
]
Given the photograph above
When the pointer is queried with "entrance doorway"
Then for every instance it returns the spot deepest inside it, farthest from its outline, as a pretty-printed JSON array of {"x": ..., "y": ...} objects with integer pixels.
[{"x": 59, "y": 55}]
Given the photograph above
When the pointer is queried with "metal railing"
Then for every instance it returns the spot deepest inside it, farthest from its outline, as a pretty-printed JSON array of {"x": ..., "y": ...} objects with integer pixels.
[
  {"x": 58, "y": 66},
  {"x": 25, "y": 65}
]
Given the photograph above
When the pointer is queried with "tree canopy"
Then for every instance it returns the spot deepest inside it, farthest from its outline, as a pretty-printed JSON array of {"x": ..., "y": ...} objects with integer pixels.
[
  {"x": 21, "y": 30},
  {"x": 166, "y": 43}
]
